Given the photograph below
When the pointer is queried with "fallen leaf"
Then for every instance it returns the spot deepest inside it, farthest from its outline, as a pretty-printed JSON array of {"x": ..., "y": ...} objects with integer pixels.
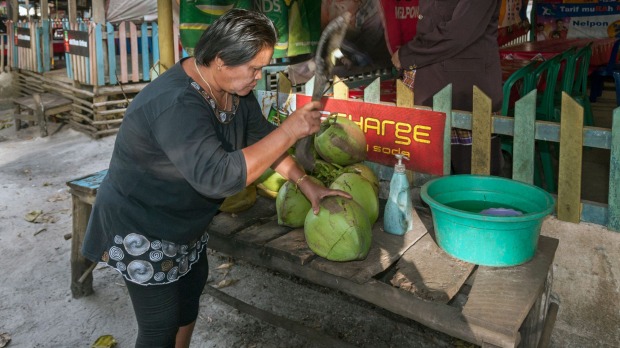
[
  {"x": 5, "y": 339},
  {"x": 225, "y": 283},
  {"x": 225, "y": 265},
  {"x": 33, "y": 215}
]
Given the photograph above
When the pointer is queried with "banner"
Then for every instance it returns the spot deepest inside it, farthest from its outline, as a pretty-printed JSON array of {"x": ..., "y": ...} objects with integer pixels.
[
  {"x": 22, "y": 37},
  {"x": 76, "y": 42},
  {"x": 196, "y": 15},
  {"x": 512, "y": 21},
  {"x": 577, "y": 19},
  {"x": 417, "y": 134}
]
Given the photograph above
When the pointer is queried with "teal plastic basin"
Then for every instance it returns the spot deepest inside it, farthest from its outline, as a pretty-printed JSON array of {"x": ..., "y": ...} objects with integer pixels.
[{"x": 499, "y": 241}]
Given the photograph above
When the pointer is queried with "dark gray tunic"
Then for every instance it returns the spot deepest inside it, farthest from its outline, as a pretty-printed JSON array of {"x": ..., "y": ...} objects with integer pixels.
[{"x": 173, "y": 164}]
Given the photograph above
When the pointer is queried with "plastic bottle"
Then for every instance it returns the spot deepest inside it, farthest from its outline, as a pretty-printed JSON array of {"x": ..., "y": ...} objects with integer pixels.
[{"x": 398, "y": 216}]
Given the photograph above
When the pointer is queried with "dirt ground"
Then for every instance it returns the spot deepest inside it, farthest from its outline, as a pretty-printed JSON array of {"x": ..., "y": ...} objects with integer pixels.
[{"x": 37, "y": 309}]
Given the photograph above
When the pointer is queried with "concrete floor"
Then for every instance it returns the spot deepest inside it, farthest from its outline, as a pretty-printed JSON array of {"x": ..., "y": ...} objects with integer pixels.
[{"x": 587, "y": 263}]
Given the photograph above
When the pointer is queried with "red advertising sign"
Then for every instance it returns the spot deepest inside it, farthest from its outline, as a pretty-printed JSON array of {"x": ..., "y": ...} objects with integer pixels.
[{"x": 417, "y": 134}]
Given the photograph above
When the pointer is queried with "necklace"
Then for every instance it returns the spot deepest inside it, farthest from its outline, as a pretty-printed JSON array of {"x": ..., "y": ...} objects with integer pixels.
[
  {"x": 223, "y": 116},
  {"x": 210, "y": 90}
]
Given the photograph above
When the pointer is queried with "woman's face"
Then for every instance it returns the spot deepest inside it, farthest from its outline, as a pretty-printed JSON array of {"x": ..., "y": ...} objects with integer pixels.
[{"x": 242, "y": 79}]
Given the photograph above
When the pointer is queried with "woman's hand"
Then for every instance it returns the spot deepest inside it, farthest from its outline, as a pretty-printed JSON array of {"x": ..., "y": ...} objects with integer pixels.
[
  {"x": 304, "y": 121},
  {"x": 316, "y": 192}
]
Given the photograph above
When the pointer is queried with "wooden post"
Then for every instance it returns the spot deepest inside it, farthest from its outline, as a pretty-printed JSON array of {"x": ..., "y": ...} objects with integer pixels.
[
  {"x": 524, "y": 138},
  {"x": 571, "y": 155},
  {"x": 166, "y": 41},
  {"x": 372, "y": 92},
  {"x": 39, "y": 114},
  {"x": 45, "y": 11},
  {"x": 98, "y": 14},
  {"x": 482, "y": 127},
  {"x": 442, "y": 102},
  {"x": 13, "y": 10},
  {"x": 79, "y": 264},
  {"x": 72, "y": 11}
]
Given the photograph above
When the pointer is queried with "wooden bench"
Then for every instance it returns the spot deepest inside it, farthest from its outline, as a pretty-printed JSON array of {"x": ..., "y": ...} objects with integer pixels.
[
  {"x": 408, "y": 275},
  {"x": 38, "y": 107},
  {"x": 83, "y": 193}
]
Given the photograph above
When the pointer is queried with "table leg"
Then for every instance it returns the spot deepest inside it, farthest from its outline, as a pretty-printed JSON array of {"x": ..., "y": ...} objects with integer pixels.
[
  {"x": 16, "y": 117},
  {"x": 39, "y": 113},
  {"x": 534, "y": 324},
  {"x": 80, "y": 264}
]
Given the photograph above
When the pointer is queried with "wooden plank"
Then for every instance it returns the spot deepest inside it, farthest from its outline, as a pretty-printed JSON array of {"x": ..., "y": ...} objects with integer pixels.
[
  {"x": 38, "y": 51},
  {"x": 225, "y": 224},
  {"x": 111, "y": 54},
  {"x": 523, "y": 143},
  {"x": 68, "y": 57},
  {"x": 292, "y": 247},
  {"x": 428, "y": 272},
  {"x": 613, "y": 199},
  {"x": 436, "y": 316},
  {"x": 99, "y": 53},
  {"x": 404, "y": 95},
  {"x": 571, "y": 154},
  {"x": 46, "y": 45},
  {"x": 122, "y": 41},
  {"x": 442, "y": 102},
  {"x": 155, "y": 43},
  {"x": 175, "y": 41},
  {"x": 341, "y": 90},
  {"x": 133, "y": 37},
  {"x": 259, "y": 235},
  {"x": 372, "y": 92},
  {"x": 481, "y": 125},
  {"x": 146, "y": 76},
  {"x": 386, "y": 249},
  {"x": 501, "y": 297}
]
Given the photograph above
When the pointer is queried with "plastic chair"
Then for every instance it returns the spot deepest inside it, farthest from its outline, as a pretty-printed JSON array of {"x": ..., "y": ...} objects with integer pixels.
[
  {"x": 579, "y": 89},
  {"x": 515, "y": 87},
  {"x": 599, "y": 75},
  {"x": 545, "y": 79}
]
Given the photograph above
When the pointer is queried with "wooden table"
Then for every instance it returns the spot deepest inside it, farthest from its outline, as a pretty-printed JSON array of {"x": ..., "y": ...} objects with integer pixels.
[
  {"x": 38, "y": 107},
  {"x": 408, "y": 275},
  {"x": 601, "y": 49}
]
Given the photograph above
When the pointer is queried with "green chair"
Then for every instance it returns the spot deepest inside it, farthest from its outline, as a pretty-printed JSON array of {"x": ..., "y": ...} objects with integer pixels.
[
  {"x": 513, "y": 89},
  {"x": 580, "y": 86},
  {"x": 544, "y": 78}
]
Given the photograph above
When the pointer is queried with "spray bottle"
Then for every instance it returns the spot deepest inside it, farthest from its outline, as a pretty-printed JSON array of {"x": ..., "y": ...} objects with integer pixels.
[{"x": 398, "y": 216}]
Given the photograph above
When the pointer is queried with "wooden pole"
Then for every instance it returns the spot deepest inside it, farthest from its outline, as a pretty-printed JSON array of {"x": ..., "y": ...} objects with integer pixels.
[
  {"x": 45, "y": 10},
  {"x": 13, "y": 10},
  {"x": 166, "y": 46},
  {"x": 98, "y": 14},
  {"x": 72, "y": 11}
]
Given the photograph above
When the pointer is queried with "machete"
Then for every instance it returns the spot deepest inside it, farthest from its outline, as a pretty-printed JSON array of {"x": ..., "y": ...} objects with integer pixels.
[{"x": 327, "y": 51}]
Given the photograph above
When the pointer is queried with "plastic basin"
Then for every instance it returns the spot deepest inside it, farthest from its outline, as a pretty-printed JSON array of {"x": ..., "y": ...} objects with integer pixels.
[{"x": 489, "y": 240}]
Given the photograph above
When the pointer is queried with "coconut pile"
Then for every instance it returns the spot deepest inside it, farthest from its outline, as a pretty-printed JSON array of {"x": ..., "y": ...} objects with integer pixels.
[{"x": 342, "y": 230}]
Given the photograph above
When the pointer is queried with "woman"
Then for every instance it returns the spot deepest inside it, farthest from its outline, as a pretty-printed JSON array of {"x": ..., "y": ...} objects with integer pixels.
[
  {"x": 192, "y": 137},
  {"x": 456, "y": 43}
]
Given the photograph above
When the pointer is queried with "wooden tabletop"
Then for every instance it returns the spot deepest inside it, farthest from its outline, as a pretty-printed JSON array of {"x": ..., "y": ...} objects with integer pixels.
[{"x": 408, "y": 275}]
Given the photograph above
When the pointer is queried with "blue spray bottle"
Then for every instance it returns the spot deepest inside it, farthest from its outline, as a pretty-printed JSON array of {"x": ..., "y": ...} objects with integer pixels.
[{"x": 398, "y": 216}]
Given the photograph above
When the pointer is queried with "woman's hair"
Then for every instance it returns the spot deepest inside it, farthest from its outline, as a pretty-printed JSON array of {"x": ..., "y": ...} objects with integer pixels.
[{"x": 236, "y": 37}]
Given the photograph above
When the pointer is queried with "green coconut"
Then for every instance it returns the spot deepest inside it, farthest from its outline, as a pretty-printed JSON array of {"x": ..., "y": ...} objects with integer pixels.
[
  {"x": 269, "y": 183},
  {"x": 362, "y": 192},
  {"x": 340, "y": 231},
  {"x": 240, "y": 201},
  {"x": 292, "y": 205},
  {"x": 365, "y": 172},
  {"x": 340, "y": 141}
]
